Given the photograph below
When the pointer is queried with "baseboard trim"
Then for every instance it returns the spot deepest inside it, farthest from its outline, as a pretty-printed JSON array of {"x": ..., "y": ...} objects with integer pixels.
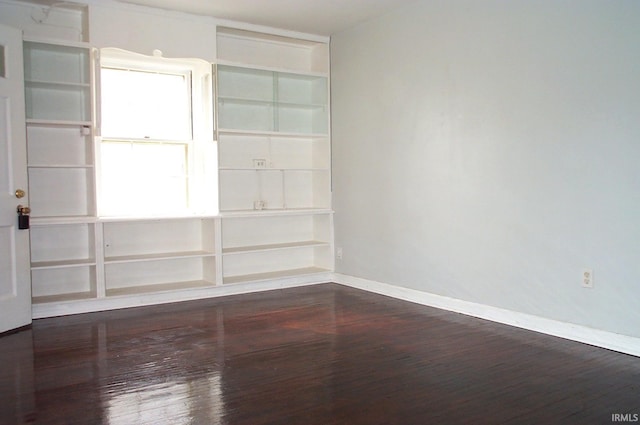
[{"x": 609, "y": 340}]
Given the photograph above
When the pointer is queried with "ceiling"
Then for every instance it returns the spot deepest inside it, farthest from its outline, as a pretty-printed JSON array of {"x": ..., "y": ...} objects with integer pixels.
[{"x": 323, "y": 17}]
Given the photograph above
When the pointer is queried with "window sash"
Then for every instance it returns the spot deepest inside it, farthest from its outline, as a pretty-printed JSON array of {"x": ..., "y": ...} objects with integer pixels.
[{"x": 146, "y": 104}]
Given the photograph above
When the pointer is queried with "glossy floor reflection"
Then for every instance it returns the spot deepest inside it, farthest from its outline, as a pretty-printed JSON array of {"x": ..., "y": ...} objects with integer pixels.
[{"x": 316, "y": 355}]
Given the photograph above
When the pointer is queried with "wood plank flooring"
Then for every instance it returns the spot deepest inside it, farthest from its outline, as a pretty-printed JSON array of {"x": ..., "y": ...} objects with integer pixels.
[{"x": 323, "y": 354}]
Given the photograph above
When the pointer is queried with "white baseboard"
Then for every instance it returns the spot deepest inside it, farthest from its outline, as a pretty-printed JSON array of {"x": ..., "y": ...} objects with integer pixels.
[{"x": 609, "y": 340}]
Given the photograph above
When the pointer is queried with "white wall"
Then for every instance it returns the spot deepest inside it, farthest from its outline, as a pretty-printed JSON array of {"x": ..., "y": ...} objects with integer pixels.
[
  {"x": 143, "y": 29},
  {"x": 488, "y": 151}
]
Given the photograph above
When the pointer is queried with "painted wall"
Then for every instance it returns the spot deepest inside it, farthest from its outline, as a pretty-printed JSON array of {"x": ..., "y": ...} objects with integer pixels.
[
  {"x": 489, "y": 151},
  {"x": 143, "y": 29}
]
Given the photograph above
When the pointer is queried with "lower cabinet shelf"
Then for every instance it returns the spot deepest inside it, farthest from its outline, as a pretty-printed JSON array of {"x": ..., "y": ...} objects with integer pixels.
[
  {"x": 44, "y": 265},
  {"x": 74, "y": 296},
  {"x": 63, "y": 283},
  {"x": 273, "y": 275},
  {"x": 272, "y": 247},
  {"x": 114, "y": 263},
  {"x": 162, "y": 287},
  {"x": 147, "y": 276},
  {"x": 159, "y": 256}
]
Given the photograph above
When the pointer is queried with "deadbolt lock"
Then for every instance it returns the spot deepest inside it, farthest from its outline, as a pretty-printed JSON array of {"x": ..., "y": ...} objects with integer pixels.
[
  {"x": 20, "y": 193},
  {"x": 23, "y": 217}
]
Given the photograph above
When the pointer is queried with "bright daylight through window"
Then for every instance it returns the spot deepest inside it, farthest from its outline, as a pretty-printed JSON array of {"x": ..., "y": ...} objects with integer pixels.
[{"x": 157, "y": 154}]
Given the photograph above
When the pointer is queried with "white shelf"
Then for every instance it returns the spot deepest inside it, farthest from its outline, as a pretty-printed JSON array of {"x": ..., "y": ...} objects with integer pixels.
[
  {"x": 270, "y": 169},
  {"x": 61, "y": 43},
  {"x": 64, "y": 283},
  {"x": 245, "y": 100},
  {"x": 59, "y": 298},
  {"x": 276, "y": 104},
  {"x": 45, "y": 265},
  {"x": 159, "y": 256},
  {"x": 57, "y": 82},
  {"x": 60, "y": 85},
  {"x": 46, "y": 221},
  {"x": 272, "y": 247},
  {"x": 274, "y": 212},
  {"x": 58, "y": 123},
  {"x": 256, "y": 277},
  {"x": 60, "y": 166},
  {"x": 254, "y": 99},
  {"x": 301, "y": 71},
  {"x": 272, "y": 133},
  {"x": 163, "y": 287}
]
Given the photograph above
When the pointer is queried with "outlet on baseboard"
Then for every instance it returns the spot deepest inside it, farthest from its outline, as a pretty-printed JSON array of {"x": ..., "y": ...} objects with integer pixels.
[
  {"x": 339, "y": 253},
  {"x": 587, "y": 278}
]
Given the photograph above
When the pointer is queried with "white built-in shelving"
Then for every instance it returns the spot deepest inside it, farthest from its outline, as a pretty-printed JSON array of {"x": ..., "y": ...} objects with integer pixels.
[
  {"x": 63, "y": 262},
  {"x": 59, "y": 129},
  {"x": 263, "y": 247},
  {"x": 61, "y": 170},
  {"x": 142, "y": 256},
  {"x": 274, "y": 168},
  {"x": 274, "y": 156}
]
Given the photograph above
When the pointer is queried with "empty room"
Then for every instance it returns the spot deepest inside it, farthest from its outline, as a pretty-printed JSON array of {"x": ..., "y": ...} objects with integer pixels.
[{"x": 319, "y": 212}]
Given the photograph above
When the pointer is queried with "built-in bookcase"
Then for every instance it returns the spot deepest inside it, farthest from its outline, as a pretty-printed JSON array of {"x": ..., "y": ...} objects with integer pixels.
[
  {"x": 63, "y": 262},
  {"x": 59, "y": 130},
  {"x": 269, "y": 101},
  {"x": 61, "y": 170},
  {"x": 275, "y": 222},
  {"x": 57, "y": 82},
  {"x": 143, "y": 256},
  {"x": 264, "y": 247},
  {"x": 274, "y": 156}
]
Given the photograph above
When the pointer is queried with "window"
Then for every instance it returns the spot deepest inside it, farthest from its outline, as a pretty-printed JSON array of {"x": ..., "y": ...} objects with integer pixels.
[{"x": 157, "y": 154}]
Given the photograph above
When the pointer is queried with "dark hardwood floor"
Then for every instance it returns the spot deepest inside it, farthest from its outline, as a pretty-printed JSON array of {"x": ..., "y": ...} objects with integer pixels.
[{"x": 316, "y": 355}]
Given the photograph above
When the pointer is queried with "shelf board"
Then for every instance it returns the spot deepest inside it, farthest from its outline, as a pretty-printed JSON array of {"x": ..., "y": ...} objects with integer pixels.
[
  {"x": 270, "y": 169},
  {"x": 252, "y": 67},
  {"x": 63, "y": 264},
  {"x": 57, "y": 123},
  {"x": 57, "y": 85},
  {"x": 274, "y": 212},
  {"x": 270, "y": 102},
  {"x": 160, "y": 287},
  {"x": 273, "y": 247},
  {"x": 157, "y": 218},
  {"x": 75, "y": 296},
  {"x": 158, "y": 256},
  {"x": 60, "y": 43},
  {"x": 272, "y": 133},
  {"x": 81, "y": 219},
  {"x": 61, "y": 166},
  {"x": 273, "y": 275},
  {"x": 245, "y": 100}
]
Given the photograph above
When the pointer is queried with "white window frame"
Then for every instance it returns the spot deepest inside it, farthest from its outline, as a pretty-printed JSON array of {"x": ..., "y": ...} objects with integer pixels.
[{"x": 202, "y": 160}]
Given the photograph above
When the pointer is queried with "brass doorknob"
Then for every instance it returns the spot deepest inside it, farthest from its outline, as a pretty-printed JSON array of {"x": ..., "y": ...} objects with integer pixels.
[{"x": 20, "y": 193}]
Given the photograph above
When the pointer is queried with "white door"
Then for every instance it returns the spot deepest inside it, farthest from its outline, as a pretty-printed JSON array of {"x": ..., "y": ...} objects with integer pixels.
[{"x": 15, "y": 279}]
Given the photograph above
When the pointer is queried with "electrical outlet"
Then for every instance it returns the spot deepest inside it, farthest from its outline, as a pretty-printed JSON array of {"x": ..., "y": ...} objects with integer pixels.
[
  {"x": 259, "y": 205},
  {"x": 259, "y": 163},
  {"x": 338, "y": 253},
  {"x": 587, "y": 278}
]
